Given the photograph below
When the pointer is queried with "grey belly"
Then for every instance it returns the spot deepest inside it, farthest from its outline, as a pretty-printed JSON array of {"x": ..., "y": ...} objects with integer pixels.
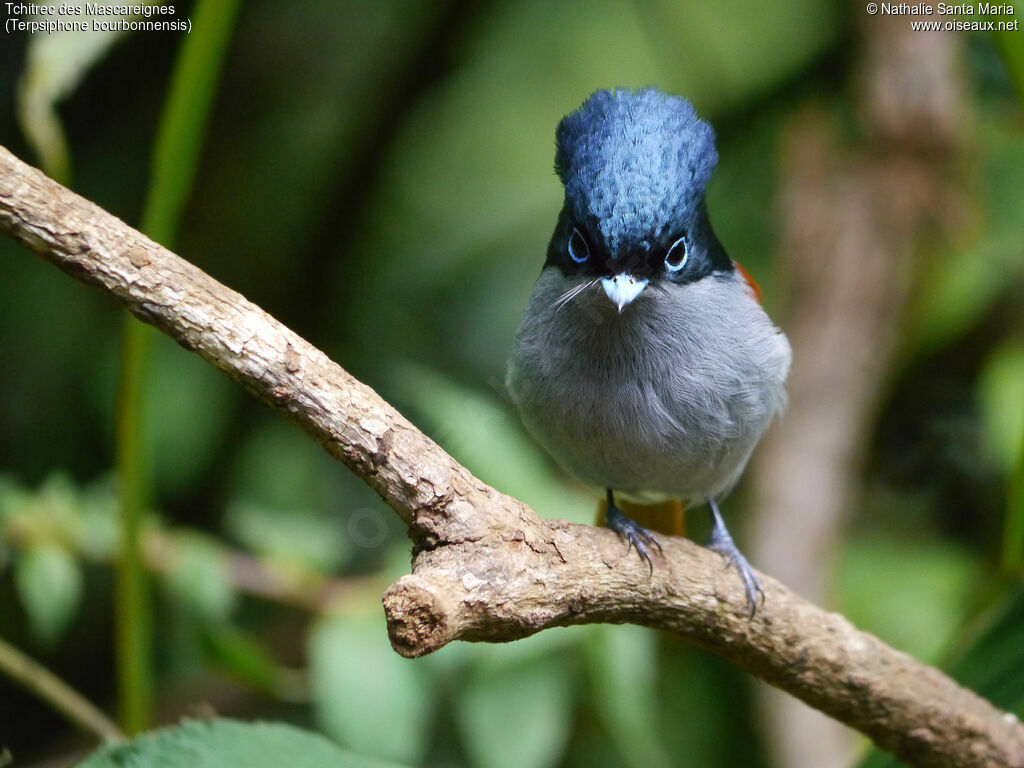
[
  {"x": 651, "y": 415},
  {"x": 640, "y": 438}
]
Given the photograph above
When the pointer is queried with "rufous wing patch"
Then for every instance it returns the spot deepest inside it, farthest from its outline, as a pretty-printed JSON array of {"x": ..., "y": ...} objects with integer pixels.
[{"x": 751, "y": 282}]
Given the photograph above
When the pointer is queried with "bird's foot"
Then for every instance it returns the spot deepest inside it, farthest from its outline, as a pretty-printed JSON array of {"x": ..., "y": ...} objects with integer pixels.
[
  {"x": 634, "y": 533},
  {"x": 722, "y": 543}
]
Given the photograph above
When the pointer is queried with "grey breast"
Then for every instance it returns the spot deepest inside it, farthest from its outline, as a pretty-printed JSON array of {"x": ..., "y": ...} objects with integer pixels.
[{"x": 666, "y": 400}]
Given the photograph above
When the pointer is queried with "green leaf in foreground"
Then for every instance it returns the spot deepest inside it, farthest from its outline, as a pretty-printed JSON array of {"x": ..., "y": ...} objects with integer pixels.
[
  {"x": 228, "y": 743},
  {"x": 517, "y": 715},
  {"x": 623, "y": 666},
  {"x": 365, "y": 695}
]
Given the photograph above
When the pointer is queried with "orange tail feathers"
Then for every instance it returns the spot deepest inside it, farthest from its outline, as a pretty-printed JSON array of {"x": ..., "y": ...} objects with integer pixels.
[{"x": 668, "y": 517}]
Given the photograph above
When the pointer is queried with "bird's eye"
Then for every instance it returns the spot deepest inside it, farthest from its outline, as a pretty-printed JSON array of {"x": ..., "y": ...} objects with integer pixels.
[
  {"x": 579, "y": 251},
  {"x": 677, "y": 255}
]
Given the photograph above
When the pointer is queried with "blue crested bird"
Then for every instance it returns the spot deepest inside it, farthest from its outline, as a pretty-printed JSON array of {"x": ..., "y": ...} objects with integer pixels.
[{"x": 644, "y": 362}]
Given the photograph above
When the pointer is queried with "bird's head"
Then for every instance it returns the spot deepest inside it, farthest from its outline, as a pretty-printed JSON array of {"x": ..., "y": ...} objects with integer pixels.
[{"x": 635, "y": 164}]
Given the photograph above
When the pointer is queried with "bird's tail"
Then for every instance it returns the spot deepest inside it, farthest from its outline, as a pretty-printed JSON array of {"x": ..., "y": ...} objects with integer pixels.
[{"x": 667, "y": 517}]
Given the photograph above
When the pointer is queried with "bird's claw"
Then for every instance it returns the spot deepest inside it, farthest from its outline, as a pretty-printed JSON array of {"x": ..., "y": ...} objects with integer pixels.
[
  {"x": 722, "y": 543},
  {"x": 751, "y": 583},
  {"x": 634, "y": 534},
  {"x": 638, "y": 536}
]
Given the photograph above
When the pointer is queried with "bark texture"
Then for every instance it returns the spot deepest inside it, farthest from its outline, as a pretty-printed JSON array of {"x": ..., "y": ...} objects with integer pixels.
[{"x": 485, "y": 567}]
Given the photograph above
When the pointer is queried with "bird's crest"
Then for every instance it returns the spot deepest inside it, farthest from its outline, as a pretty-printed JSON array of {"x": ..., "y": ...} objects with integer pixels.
[{"x": 634, "y": 162}]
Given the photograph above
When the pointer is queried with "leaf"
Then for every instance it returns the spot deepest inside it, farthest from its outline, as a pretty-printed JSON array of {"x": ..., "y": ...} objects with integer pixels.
[
  {"x": 916, "y": 610},
  {"x": 187, "y": 405},
  {"x": 1011, "y": 46},
  {"x": 226, "y": 743},
  {"x": 366, "y": 696},
  {"x": 705, "y": 709},
  {"x": 57, "y": 506},
  {"x": 964, "y": 281},
  {"x": 1001, "y": 395},
  {"x": 98, "y": 533},
  {"x": 49, "y": 583},
  {"x": 55, "y": 64},
  {"x": 1013, "y": 531},
  {"x": 290, "y": 537},
  {"x": 16, "y": 504},
  {"x": 186, "y": 112},
  {"x": 243, "y": 657},
  {"x": 992, "y": 661},
  {"x": 199, "y": 579},
  {"x": 12, "y": 497},
  {"x": 517, "y": 715},
  {"x": 623, "y": 666},
  {"x": 287, "y": 503}
]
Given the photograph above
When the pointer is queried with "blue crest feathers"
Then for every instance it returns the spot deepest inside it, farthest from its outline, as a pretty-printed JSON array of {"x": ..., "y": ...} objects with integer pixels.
[{"x": 634, "y": 163}]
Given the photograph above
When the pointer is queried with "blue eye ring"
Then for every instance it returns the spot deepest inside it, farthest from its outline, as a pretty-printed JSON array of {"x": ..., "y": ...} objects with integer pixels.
[
  {"x": 579, "y": 249},
  {"x": 673, "y": 260}
]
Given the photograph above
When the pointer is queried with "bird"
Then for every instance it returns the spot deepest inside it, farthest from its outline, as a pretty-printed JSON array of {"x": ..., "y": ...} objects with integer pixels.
[{"x": 644, "y": 363}]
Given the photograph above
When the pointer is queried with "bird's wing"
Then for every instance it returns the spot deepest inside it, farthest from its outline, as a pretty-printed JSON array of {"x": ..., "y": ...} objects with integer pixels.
[{"x": 751, "y": 282}]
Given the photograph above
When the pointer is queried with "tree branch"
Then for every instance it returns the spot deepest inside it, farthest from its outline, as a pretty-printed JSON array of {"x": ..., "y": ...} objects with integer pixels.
[
  {"x": 485, "y": 567},
  {"x": 58, "y": 694}
]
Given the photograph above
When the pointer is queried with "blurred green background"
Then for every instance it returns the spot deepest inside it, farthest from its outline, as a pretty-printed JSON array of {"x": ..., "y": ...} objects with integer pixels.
[{"x": 378, "y": 176}]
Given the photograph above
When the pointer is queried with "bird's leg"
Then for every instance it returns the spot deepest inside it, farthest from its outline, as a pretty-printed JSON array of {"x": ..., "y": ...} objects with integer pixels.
[
  {"x": 722, "y": 543},
  {"x": 634, "y": 533}
]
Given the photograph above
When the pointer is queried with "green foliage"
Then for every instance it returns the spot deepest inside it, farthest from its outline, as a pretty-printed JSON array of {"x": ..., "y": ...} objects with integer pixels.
[
  {"x": 49, "y": 583},
  {"x": 367, "y": 697},
  {"x": 990, "y": 660},
  {"x": 293, "y": 538},
  {"x": 705, "y": 709},
  {"x": 187, "y": 404},
  {"x": 397, "y": 216},
  {"x": 198, "y": 578},
  {"x": 286, "y": 506},
  {"x": 248, "y": 661},
  {"x": 1013, "y": 535},
  {"x": 502, "y": 702},
  {"x": 227, "y": 743},
  {"x": 623, "y": 669},
  {"x": 45, "y": 526},
  {"x": 1011, "y": 45},
  {"x": 1001, "y": 391},
  {"x": 56, "y": 64},
  {"x": 182, "y": 127},
  {"x": 965, "y": 279},
  {"x": 487, "y": 438},
  {"x": 527, "y": 687},
  {"x": 912, "y": 597},
  {"x": 175, "y": 158}
]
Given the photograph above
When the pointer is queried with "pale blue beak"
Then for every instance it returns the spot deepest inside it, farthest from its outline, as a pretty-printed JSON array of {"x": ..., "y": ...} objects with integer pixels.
[{"x": 622, "y": 289}]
